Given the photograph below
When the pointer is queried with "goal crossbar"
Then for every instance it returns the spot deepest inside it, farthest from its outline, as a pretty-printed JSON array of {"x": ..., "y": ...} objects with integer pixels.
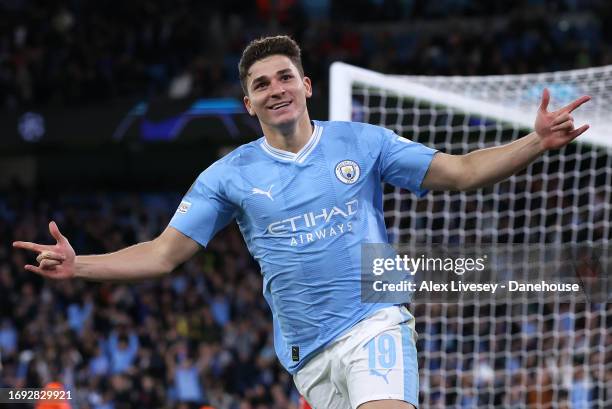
[{"x": 343, "y": 76}]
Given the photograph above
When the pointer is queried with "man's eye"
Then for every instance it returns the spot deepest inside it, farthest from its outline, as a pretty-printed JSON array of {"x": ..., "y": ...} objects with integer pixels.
[
  {"x": 260, "y": 85},
  {"x": 287, "y": 76}
]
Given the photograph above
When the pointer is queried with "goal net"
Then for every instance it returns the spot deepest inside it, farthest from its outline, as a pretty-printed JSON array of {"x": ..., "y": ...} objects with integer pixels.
[{"x": 509, "y": 351}]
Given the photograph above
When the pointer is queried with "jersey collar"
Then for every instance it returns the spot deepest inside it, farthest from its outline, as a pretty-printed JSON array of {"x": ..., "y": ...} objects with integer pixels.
[{"x": 303, "y": 153}]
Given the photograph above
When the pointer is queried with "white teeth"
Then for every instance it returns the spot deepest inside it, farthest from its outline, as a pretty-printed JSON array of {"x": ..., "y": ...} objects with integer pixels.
[{"x": 284, "y": 104}]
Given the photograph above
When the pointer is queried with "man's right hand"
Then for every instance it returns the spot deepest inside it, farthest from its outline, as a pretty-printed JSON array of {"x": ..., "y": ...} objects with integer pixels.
[{"x": 54, "y": 261}]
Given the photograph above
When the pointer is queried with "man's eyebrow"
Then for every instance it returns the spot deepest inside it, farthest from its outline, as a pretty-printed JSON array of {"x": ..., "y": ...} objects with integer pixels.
[{"x": 265, "y": 77}]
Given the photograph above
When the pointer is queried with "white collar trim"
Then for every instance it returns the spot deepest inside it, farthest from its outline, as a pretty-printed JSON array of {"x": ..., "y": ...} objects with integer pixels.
[{"x": 303, "y": 153}]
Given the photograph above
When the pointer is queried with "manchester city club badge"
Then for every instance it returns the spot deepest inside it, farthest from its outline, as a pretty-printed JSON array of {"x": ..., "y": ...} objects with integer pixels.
[{"x": 347, "y": 172}]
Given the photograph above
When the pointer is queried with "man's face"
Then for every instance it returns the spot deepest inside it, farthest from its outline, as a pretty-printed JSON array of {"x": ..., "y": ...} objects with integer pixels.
[{"x": 276, "y": 91}]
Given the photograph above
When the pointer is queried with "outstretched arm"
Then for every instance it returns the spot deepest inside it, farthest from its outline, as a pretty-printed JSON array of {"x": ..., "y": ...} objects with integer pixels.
[
  {"x": 485, "y": 167},
  {"x": 144, "y": 260}
]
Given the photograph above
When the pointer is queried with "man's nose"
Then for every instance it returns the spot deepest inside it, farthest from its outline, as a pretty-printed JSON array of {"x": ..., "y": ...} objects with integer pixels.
[{"x": 276, "y": 88}]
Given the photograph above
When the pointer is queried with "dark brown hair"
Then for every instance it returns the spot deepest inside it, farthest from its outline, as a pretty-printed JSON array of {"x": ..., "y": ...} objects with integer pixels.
[{"x": 264, "y": 47}]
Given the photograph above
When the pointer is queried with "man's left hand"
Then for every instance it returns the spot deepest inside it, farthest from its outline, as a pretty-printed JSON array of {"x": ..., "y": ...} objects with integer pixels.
[{"x": 556, "y": 129}]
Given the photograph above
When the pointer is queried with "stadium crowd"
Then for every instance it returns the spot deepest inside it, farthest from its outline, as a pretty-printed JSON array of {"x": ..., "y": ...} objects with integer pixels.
[
  {"x": 203, "y": 336},
  {"x": 75, "y": 52}
]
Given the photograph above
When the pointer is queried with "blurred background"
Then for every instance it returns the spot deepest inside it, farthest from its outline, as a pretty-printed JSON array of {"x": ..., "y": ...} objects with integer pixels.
[
  {"x": 108, "y": 112},
  {"x": 112, "y": 88}
]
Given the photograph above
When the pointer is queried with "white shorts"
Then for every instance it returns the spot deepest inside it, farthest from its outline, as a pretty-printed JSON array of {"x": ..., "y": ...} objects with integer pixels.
[{"x": 374, "y": 360}]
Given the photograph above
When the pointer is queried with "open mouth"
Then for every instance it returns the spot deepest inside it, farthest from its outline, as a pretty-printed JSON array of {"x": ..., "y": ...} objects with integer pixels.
[{"x": 279, "y": 105}]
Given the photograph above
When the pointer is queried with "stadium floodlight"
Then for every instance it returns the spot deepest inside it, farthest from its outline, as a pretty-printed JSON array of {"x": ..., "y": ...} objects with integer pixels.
[{"x": 510, "y": 351}]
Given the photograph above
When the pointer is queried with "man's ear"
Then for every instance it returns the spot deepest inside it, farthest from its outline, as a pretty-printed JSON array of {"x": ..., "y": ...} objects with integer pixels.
[
  {"x": 308, "y": 86},
  {"x": 247, "y": 105}
]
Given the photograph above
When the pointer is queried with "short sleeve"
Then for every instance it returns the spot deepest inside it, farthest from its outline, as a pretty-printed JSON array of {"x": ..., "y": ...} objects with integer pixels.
[
  {"x": 205, "y": 209},
  {"x": 404, "y": 163}
]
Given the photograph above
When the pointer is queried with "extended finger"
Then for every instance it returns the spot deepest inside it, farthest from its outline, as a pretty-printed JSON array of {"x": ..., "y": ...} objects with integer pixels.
[
  {"x": 545, "y": 100},
  {"x": 575, "y": 104},
  {"x": 577, "y": 132},
  {"x": 34, "y": 269},
  {"x": 567, "y": 125},
  {"x": 27, "y": 245},
  {"x": 54, "y": 230}
]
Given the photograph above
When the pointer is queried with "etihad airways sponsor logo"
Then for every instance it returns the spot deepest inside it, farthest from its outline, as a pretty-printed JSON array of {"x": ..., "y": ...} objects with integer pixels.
[
  {"x": 312, "y": 219},
  {"x": 316, "y": 223}
]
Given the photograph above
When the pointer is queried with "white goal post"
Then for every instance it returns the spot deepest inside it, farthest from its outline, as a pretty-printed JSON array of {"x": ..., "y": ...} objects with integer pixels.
[
  {"x": 512, "y": 352},
  {"x": 514, "y": 98}
]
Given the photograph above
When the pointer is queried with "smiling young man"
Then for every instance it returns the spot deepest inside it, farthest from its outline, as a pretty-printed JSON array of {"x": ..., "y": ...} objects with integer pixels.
[{"x": 306, "y": 195}]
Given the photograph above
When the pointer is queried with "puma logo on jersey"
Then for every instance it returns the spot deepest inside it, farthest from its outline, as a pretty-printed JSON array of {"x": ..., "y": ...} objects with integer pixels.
[
  {"x": 377, "y": 373},
  {"x": 268, "y": 193}
]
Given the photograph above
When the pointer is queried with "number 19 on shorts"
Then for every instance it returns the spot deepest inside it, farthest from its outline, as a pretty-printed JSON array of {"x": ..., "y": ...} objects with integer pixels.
[
  {"x": 388, "y": 367},
  {"x": 382, "y": 355}
]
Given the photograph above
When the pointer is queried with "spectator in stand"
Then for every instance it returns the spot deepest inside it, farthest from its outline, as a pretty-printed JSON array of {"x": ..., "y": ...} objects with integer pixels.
[
  {"x": 581, "y": 389},
  {"x": 8, "y": 337},
  {"x": 123, "y": 349}
]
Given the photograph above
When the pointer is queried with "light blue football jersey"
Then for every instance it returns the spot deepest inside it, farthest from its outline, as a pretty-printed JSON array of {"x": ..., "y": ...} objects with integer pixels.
[{"x": 303, "y": 217}]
